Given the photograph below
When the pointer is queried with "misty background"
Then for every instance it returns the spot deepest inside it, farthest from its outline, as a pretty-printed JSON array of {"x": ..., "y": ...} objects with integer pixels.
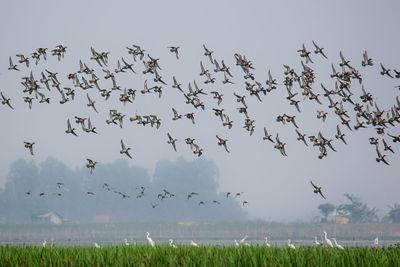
[{"x": 269, "y": 34}]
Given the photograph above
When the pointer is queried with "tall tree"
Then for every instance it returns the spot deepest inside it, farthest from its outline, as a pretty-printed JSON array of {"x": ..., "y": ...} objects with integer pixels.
[
  {"x": 394, "y": 213},
  {"x": 357, "y": 211},
  {"x": 326, "y": 209}
]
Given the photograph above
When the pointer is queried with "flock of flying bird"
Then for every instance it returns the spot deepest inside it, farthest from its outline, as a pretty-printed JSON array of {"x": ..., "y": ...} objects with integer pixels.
[{"x": 341, "y": 99}]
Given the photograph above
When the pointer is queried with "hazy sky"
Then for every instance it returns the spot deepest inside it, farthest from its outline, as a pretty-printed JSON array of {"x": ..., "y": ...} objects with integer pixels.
[{"x": 268, "y": 33}]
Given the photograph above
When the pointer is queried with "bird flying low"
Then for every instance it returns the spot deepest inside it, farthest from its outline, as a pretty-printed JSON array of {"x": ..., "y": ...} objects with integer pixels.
[
  {"x": 70, "y": 129},
  {"x": 29, "y": 146},
  {"x": 317, "y": 189},
  {"x": 91, "y": 165},
  {"x": 125, "y": 150},
  {"x": 172, "y": 141},
  {"x": 5, "y": 101},
  {"x": 222, "y": 142}
]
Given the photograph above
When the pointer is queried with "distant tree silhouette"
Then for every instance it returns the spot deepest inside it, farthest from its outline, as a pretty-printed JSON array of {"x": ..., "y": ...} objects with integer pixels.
[
  {"x": 118, "y": 190},
  {"x": 394, "y": 213},
  {"x": 357, "y": 211},
  {"x": 326, "y": 209}
]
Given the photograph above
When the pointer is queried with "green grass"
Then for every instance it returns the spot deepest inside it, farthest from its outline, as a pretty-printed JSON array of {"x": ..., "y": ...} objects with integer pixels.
[{"x": 203, "y": 256}]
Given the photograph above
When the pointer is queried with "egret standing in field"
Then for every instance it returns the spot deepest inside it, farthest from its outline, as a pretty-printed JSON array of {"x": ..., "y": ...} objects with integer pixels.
[
  {"x": 266, "y": 242},
  {"x": 290, "y": 245},
  {"x": 376, "y": 241},
  {"x": 151, "y": 242},
  {"x": 171, "y": 243},
  {"x": 96, "y": 245},
  {"x": 126, "y": 242},
  {"x": 328, "y": 242},
  {"x": 193, "y": 243},
  {"x": 316, "y": 242},
  {"x": 44, "y": 243},
  {"x": 243, "y": 239},
  {"x": 336, "y": 244}
]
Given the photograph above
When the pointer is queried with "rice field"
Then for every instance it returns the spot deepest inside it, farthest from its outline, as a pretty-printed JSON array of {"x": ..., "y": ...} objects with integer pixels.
[{"x": 165, "y": 255}]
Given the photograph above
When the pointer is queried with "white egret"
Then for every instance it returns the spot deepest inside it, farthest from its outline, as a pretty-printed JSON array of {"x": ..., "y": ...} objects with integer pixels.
[
  {"x": 243, "y": 239},
  {"x": 376, "y": 241},
  {"x": 96, "y": 245},
  {"x": 151, "y": 242},
  {"x": 44, "y": 243},
  {"x": 236, "y": 243},
  {"x": 336, "y": 244},
  {"x": 328, "y": 242},
  {"x": 171, "y": 243},
  {"x": 316, "y": 242},
  {"x": 193, "y": 243},
  {"x": 266, "y": 241},
  {"x": 290, "y": 245},
  {"x": 126, "y": 242}
]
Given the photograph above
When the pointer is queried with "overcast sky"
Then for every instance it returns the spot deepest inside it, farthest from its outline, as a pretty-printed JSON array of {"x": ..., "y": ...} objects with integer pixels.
[{"x": 268, "y": 33}]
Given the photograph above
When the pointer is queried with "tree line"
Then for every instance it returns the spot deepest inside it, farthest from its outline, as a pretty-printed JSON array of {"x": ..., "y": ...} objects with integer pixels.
[
  {"x": 117, "y": 190},
  {"x": 358, "y": 212}
]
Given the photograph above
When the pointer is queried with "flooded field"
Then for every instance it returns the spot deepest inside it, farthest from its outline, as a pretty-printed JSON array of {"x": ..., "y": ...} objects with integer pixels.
[{"x": 206, "y": 234}]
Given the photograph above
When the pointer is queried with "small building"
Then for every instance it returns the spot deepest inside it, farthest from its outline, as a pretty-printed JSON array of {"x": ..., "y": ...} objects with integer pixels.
[
  {"x": 341, "y": 220},
  {"x": 51, "y": 218}
]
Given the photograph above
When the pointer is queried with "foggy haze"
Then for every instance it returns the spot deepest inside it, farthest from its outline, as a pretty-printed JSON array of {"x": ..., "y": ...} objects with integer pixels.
[{"x": 268, "y": 34}]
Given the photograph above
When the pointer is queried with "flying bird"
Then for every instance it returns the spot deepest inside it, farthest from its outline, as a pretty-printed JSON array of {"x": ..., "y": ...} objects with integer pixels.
[
  {"x": 91, "y": 165},
  {"x": 317, "y": 189},
  {"x": 5, "y": 101},
  {"x": 125, "y": 150},
  {"x": 12, "y": 66},
  {"x": 174, "y": 49},
  {"x": 172, "y": 141},
  {"x": 70, "y": 129},
  {"x": 319, "y": 50},
  {"x": 29, "y": 146},
  {"x": 222, "y": 142}
]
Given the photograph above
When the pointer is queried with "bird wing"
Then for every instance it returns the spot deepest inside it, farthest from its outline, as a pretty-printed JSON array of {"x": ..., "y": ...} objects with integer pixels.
[
  {"x": 338, "y": 130},
  {"x": 384, "y": 143},
  {"x": 174, "y": 145},
  {"x": 316, "y": 46},
  {"x": 316, "y": 187},
  {"x": 294, "y": 123},
  {"x": 226, "y": 147},
  {"x": 378, "y": 152}
]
